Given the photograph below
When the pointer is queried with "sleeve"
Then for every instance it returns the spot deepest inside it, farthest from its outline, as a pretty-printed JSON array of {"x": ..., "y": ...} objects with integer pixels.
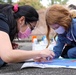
[
  {"x": 4, "y": 26},
  {"x": 59, "y": 46}
]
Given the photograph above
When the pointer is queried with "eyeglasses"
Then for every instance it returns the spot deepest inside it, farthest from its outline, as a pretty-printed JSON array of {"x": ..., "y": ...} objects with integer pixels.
[{"x": 31, "y": 26}]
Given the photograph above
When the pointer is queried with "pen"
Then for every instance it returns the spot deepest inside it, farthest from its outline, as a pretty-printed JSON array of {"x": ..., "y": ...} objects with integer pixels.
[{"x": 48, "y": 58}]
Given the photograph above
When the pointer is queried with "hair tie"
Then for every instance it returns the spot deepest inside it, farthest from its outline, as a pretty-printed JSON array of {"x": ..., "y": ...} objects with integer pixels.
[{"x": 15, "y": 8}]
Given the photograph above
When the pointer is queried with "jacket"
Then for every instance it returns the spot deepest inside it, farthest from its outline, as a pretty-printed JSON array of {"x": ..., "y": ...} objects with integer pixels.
[{"x": 68, "y": 37}]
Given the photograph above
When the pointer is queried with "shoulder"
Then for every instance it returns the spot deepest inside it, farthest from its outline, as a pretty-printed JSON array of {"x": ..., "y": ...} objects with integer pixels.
[
  {"x": 73, "y": 26},
  {"x": 4, "y": 26},
  {"x": 74, "y": 21}
]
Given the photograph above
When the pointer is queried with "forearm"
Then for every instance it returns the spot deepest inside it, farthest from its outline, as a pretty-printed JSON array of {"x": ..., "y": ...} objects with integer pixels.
[{"x": 20, "y": 55}]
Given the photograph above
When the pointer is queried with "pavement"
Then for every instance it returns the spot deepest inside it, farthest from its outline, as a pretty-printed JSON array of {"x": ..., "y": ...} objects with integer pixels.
[{"x": 14, "y": 69}]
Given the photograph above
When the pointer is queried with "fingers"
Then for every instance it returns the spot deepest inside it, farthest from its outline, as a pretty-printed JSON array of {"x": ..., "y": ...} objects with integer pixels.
[
  {"x": 52, "y": 54},
  {"x": 42, "y": 60},
  {"x": 47, "y": 53}
]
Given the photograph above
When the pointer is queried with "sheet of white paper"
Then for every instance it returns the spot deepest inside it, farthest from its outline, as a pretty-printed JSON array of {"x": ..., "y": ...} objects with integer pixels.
[{"x": 55, "y": 63}]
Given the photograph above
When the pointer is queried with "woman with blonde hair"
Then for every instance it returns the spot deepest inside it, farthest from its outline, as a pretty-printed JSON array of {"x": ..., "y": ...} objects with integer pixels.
[{"x": 60, "y": 19}]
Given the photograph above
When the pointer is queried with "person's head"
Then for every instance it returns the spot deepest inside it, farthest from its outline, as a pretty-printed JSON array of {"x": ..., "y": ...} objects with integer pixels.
[
  {"x": 71, "y": 6},
  {"x": 58, "y": 18},
  {"x": 21, "y": 18},
  {"x": 72, "y": 9},
  {"x": 27, "y": 18}
]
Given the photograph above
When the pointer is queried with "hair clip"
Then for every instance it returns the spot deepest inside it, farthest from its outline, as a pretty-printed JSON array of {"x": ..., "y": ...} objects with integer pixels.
[{"x": 15, "y": 8}]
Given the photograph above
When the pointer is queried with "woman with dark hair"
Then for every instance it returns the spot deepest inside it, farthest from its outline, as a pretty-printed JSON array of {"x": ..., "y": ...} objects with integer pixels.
[
  {"x": 60, "y": 19},
  {"x": 17, "y": 21}
]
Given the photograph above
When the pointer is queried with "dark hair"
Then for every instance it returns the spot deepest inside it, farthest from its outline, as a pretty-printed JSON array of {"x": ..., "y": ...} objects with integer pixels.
[
  {"x": 29, "y": 12},
  {"x": 71, "y": 6}
]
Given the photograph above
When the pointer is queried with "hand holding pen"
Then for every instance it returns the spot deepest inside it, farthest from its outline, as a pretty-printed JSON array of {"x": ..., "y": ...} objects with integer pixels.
[{"x": 46, "y": 55}]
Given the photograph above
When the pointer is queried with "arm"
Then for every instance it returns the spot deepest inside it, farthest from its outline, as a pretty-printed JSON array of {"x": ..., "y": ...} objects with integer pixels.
[
  {"x": 59, "y": 46},
  {"x": 8, "y": 55}
]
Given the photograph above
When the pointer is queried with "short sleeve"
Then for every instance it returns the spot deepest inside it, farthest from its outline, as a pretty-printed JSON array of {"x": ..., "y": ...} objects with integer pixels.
[{"x": 4, "y": 26}]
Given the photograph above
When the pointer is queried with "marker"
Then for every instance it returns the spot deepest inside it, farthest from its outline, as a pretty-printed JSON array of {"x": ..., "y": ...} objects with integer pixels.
[{"x": 48, "y": 58}]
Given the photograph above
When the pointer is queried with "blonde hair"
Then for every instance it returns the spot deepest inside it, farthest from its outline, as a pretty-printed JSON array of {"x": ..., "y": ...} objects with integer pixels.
[{"x": 57, "y": 14}]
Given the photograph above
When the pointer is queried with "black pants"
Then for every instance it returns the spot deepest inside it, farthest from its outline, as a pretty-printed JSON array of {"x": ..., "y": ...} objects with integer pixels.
[{"x": 65, "y": 50}]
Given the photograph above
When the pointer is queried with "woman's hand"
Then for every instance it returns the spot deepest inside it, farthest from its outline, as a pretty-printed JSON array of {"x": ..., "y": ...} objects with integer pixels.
[
  {"x": 42, "y": 60},
  {"x": 45, "y": 55}
]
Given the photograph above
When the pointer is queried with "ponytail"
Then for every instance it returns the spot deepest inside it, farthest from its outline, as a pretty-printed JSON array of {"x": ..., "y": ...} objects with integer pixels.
[{"x": 7, "y": 11}]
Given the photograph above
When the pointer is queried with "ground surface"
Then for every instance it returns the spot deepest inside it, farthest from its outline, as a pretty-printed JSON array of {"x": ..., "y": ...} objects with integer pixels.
[{"x": 14, "y": 69}]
